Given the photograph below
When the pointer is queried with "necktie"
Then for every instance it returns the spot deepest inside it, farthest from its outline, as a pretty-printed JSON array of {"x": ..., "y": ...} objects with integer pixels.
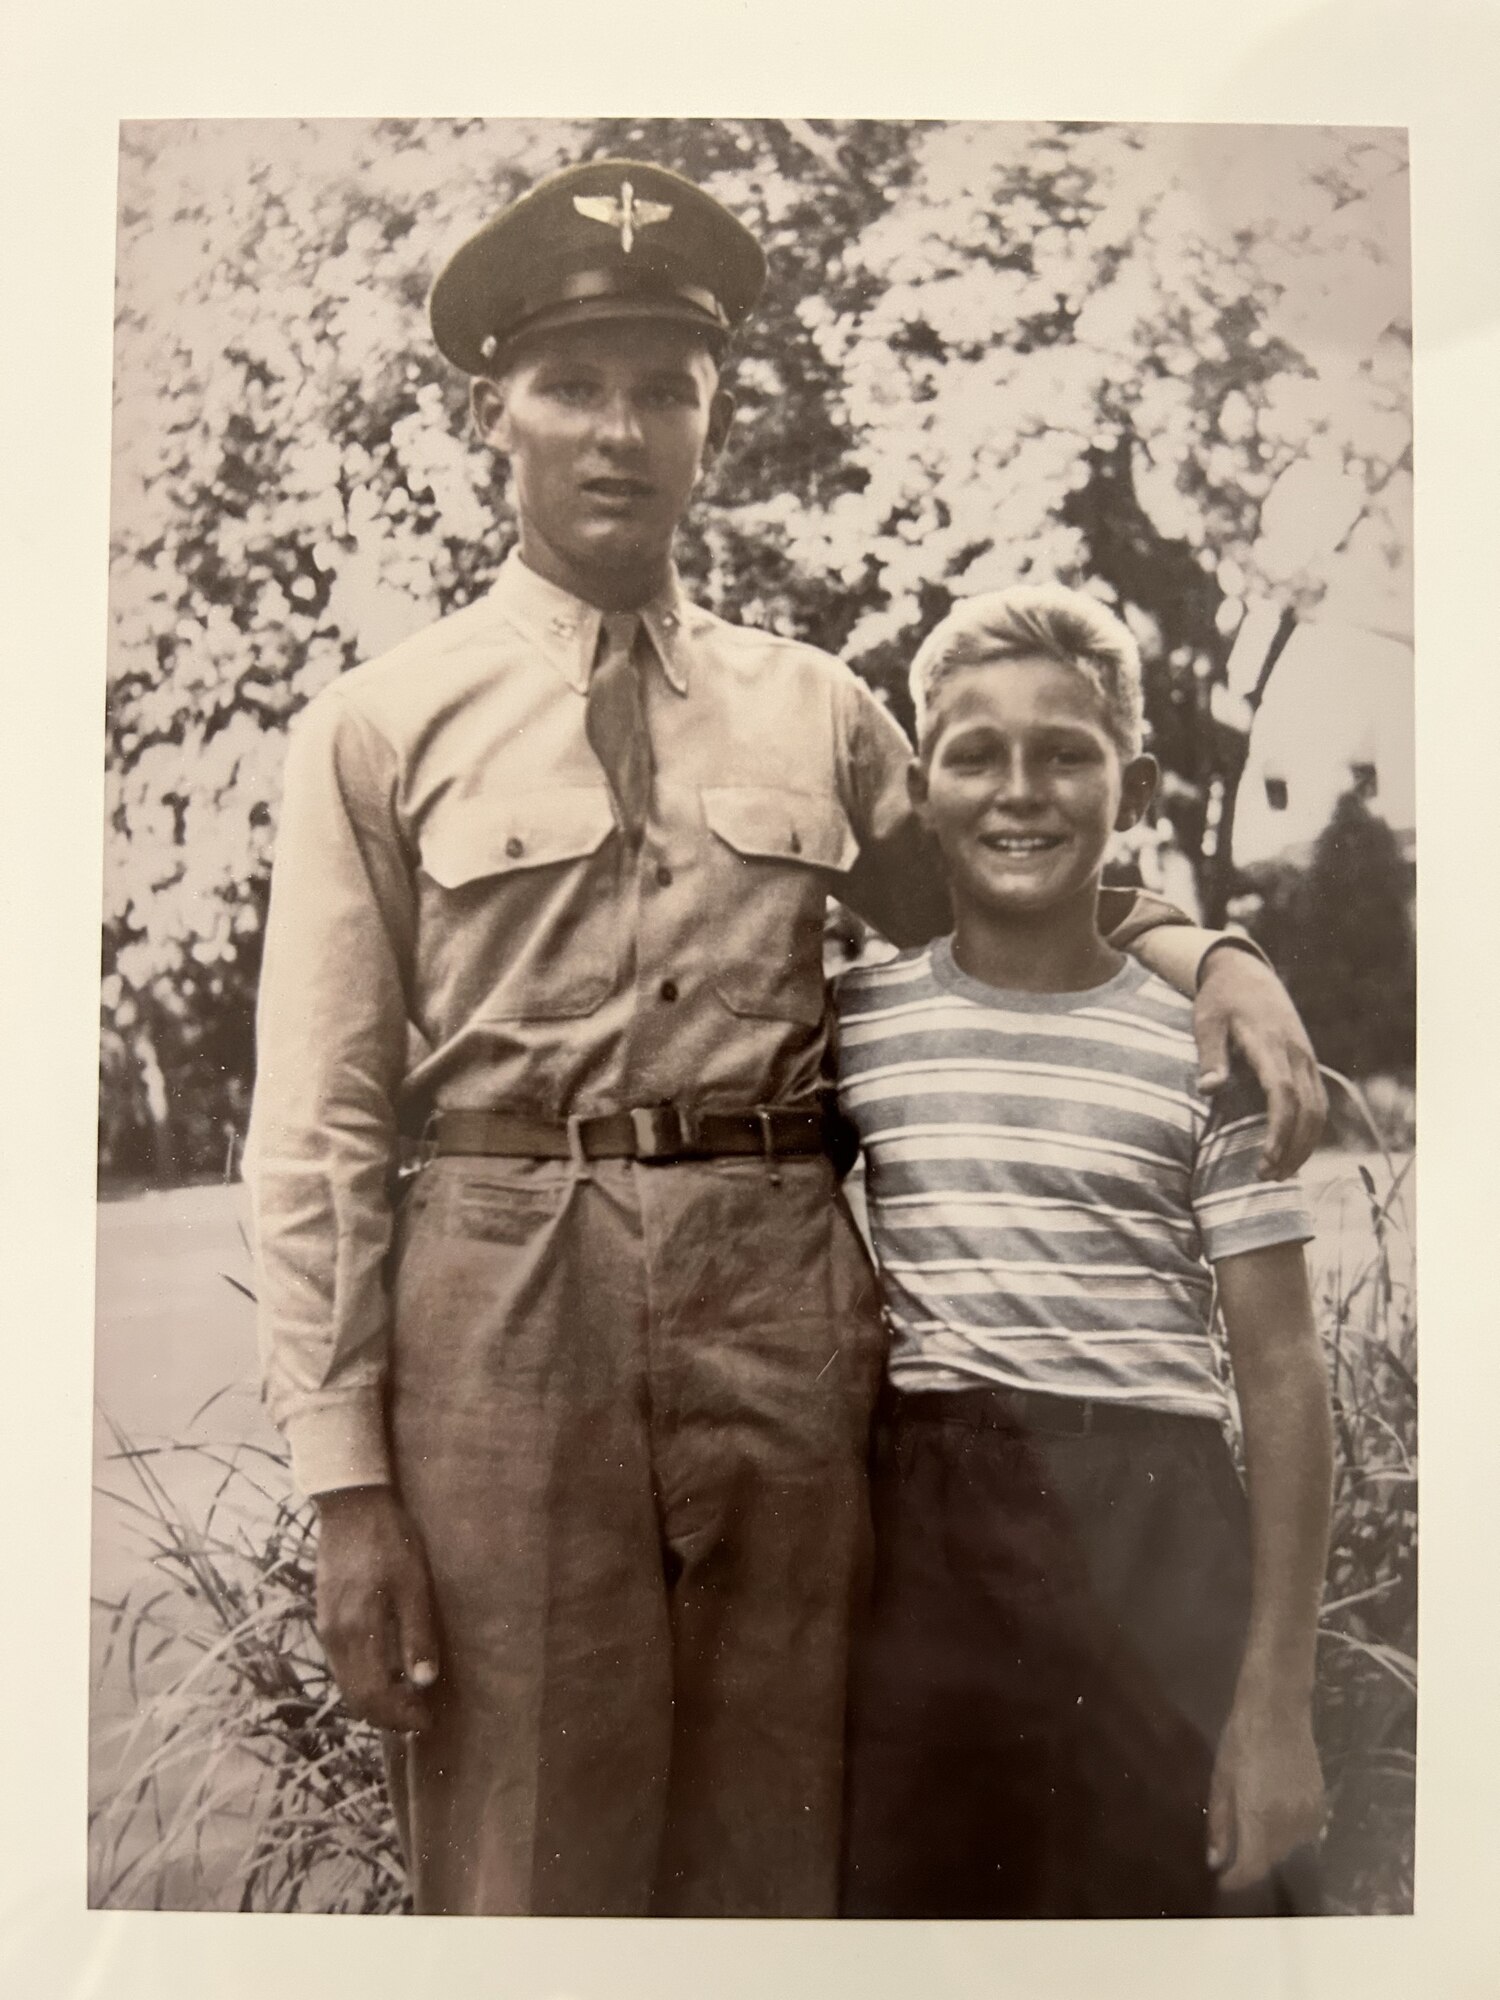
[{"x": 615, "y": 723}]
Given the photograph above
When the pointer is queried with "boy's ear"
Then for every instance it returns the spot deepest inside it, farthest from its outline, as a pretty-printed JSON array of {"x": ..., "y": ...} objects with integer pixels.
[
  {"x": 1137, "y": 789},
  {"x": 916, "y": 791},
  {"x": 487, "y": 407}
]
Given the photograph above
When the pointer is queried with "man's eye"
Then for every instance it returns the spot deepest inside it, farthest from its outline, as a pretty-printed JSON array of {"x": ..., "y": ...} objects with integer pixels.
[
  {"x": 569, "y": 391},
  {"x": 665, "y": 396}
]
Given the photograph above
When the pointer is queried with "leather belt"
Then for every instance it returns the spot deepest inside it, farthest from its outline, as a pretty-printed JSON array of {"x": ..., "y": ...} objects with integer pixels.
[
  {"x": 654, "y": 1134},
  {"x": 999, "y": 1407}
]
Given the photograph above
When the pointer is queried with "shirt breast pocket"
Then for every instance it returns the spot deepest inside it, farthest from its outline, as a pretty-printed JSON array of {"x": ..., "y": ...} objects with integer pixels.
[
  {"x": 775, "y": 854},
  {"x": 520, "y": 911}
]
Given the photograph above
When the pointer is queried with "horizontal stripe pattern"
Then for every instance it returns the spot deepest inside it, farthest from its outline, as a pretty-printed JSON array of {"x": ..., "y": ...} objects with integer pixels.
[{"x": 1047, "y": 1189}]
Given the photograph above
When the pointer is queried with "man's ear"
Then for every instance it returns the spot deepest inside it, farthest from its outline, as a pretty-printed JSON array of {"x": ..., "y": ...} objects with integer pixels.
[
  {"x": 1137, "y": 789},
  {"x": 720, "y": 417},
  {"x": 490, "y": 412}
]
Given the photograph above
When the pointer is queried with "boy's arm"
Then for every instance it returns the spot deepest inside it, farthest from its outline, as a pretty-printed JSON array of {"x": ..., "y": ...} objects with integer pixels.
[{"x": 1267, "y": 1795}]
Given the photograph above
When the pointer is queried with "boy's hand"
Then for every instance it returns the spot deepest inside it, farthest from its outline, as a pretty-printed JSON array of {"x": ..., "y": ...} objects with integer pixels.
[
  {"x": 1241, "y": 1001},
  {"x": 1267, "y": 1795}
]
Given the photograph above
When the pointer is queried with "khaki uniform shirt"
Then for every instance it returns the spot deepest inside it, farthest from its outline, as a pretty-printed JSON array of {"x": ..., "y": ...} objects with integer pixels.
[{"x": 456, "y": 921}]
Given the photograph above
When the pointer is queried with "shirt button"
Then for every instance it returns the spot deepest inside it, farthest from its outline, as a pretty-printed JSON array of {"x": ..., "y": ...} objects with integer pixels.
[
  {"x": 663, "y": 875},
  {"x": 515, "y": 846},
  {"x": 669, "y": 989},
  {"x": 795, "y": 843}
]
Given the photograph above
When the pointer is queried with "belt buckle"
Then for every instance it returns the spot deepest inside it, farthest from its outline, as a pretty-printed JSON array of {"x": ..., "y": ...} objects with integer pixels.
[
  {"x": 663, "y": 1133},
  {"x": 426, "y": 1149}
]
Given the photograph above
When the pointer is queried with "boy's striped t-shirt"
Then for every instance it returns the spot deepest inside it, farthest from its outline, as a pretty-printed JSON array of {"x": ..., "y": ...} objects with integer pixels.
[{"x": 1047, "y": 1188}]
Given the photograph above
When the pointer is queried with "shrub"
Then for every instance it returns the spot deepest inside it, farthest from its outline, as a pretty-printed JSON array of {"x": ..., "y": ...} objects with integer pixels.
[{"x": 1341, "y": 934}]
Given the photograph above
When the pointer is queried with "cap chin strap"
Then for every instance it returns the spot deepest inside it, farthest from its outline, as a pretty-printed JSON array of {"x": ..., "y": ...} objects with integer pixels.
[{"x": 584, "y": 287}]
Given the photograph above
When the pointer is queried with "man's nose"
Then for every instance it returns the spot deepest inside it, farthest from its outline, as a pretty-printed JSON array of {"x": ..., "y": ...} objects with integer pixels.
[{"x": 619, "y": 422}]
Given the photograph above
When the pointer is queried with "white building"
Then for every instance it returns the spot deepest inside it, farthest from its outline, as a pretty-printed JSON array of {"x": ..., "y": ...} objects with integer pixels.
[{"x": 1337, "y": 713}]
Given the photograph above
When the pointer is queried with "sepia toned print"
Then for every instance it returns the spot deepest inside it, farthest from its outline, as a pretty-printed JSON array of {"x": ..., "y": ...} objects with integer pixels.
[{"x": 1169, "y": 365}]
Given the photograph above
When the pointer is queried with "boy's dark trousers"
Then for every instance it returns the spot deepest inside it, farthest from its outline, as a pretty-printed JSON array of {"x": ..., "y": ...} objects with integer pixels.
[{"x": 1061, "y": 1600}]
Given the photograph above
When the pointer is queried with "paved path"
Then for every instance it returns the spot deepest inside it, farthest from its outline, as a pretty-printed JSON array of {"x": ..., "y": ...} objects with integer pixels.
[{"x": 172, "y": 1335}]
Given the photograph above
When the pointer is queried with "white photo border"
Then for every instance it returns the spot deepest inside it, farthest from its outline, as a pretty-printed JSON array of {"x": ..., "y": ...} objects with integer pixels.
[{"x": 76, "y": 72}]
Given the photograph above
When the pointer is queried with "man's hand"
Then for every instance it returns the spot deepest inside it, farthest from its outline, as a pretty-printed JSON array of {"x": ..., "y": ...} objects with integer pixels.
[
  {"x": 1242, "y": 1002},
  {"x": 1266, "y": 1798},
  {"x": 375, "y": 1610}
]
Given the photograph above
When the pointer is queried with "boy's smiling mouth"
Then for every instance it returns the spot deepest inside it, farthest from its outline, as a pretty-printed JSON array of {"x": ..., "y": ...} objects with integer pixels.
[{"x": 1021, "y": 843}]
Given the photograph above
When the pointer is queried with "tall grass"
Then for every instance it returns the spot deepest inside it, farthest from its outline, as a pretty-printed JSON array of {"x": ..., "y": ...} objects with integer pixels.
[
  {"x": 238, "y": 1780},
  {"x": 1367, "y": 1696}
]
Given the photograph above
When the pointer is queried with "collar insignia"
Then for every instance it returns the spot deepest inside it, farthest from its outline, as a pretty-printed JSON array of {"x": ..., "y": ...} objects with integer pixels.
[{"x": 627, "y": 214}]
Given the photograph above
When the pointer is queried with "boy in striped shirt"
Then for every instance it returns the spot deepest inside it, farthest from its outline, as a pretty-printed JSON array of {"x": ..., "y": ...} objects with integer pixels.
[{"x": 1086, "y": 1688}]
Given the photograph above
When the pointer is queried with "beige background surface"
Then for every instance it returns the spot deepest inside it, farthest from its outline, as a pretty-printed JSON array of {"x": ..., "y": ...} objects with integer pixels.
[{"x": 73, "y": 72}]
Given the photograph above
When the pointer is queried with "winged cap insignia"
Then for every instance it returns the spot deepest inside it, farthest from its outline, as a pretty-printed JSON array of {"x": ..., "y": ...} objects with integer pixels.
[{"x": 627, "y": 214}]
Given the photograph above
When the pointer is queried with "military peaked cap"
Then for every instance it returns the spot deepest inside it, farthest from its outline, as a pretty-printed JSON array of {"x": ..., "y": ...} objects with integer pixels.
[{"x": 612, "y": 239}]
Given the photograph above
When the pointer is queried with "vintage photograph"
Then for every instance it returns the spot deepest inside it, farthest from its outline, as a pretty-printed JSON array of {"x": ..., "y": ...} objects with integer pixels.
[{"x": 756, "y": 1228}]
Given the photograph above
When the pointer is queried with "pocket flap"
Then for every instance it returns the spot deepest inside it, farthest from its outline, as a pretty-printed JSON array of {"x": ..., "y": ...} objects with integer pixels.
[
  {"x": 766, "y": 822},
  {"x": 474, "y": 838}
]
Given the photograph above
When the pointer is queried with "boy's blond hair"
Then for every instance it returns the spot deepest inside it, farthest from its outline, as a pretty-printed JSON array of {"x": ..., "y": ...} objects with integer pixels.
[{"x": 1044, "y": 620}]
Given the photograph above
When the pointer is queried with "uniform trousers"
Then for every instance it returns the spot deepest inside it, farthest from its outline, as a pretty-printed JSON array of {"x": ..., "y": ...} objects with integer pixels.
[
  {"x": 630, "y": 1411},
  {"x": 1057, "y": 1626}
]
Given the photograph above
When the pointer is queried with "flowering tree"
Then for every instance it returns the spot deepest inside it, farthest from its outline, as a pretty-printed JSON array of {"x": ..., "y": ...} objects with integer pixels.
[{"x": 1170, "y": 363}]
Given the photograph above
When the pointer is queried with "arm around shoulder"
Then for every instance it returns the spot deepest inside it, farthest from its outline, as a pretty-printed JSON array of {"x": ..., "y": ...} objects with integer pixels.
[{"x": 1239, "y": 1003}]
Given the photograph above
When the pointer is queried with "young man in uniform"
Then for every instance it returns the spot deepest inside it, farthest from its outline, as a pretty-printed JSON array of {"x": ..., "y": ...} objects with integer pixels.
[{"x": 585, "y": 1412}]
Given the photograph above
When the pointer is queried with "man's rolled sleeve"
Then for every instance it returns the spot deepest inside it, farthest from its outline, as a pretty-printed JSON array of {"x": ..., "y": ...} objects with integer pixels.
[
  {"x": 331, "y": 1043},
  {"x": 1127, "y": 915}
]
